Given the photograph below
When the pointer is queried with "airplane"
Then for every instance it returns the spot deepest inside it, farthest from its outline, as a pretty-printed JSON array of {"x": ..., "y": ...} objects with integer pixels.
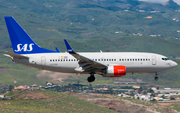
[{"x": 107, "y": 64}]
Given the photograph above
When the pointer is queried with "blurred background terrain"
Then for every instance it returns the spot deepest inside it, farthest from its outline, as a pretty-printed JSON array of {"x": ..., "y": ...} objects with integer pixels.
[{"x": 90, "y": 26}]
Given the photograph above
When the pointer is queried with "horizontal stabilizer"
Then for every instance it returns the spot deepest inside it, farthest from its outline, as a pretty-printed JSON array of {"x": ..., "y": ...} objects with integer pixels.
[
  {"x": 16, "y": 55},
  {"x": 57, "y": 50}
]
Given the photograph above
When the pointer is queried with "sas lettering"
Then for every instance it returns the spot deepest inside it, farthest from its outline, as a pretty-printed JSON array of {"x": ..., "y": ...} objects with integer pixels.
[{"x": 24, "y": 48}]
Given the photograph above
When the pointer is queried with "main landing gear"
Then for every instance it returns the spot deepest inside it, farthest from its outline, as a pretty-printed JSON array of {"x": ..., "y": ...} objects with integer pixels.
[
  {"x": 91, "y": 78},
  {"x": 156, "y": 77}
]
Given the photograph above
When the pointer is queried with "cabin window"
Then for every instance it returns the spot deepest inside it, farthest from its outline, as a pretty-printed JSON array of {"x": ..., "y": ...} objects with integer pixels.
[
  {"x": 127, "y": 59},
  {"x": 50, "y": 60},
  {"x": 109, "y": 59},
  {"x": 119, "y": 59},
  {"x": 135, "y": 59},
  {"x": 104, "y": 59},
  {"x": 95, "y": 59},
  {"x": 143, "y": 59},
  {"x": 101, "y": 59},
  {"x": 122, "y": 59}
]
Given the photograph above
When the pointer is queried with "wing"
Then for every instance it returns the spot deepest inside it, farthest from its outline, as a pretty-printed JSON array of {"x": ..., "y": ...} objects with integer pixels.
[{"x": 85, "y": 64}]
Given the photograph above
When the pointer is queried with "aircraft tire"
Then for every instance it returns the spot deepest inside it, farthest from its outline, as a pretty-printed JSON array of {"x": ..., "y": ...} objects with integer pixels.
[
  {"x": 91, "y": 79},
  {"x": 156, "y": 78}
]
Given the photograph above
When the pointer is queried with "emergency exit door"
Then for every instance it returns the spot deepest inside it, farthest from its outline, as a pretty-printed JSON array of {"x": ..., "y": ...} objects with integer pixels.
[{"x": 43, "y": 61}]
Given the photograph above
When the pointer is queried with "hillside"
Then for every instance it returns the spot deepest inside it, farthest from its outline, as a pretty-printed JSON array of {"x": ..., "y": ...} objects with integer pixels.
[
  {"x": 80, "y": 20},
  {"x": 56, "y": 102},
  {"x": 93, "y": 25},
  {"x": 48, "y": 102}
]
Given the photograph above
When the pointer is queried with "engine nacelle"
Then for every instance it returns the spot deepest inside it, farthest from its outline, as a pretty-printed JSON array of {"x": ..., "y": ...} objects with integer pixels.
[{"x": 115, "y": 71}]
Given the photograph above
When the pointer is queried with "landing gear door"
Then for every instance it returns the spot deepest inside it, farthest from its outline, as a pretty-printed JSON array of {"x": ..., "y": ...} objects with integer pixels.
[
  {"x": 43, "y": 61},
  {"x": 153, "y": 60}
]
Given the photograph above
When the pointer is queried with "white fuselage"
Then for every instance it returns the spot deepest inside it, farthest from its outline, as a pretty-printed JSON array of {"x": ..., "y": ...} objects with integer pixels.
[
  {"x": 107, "y": 64},
  {"x": 135, "y": 62}
]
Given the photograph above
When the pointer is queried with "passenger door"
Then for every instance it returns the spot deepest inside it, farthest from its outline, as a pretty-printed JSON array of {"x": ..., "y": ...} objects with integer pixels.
[{"x": 153, "y": 60}]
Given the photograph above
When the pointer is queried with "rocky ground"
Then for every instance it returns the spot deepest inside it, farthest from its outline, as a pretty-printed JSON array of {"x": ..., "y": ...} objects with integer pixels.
[{"x": 122, "y": 105}]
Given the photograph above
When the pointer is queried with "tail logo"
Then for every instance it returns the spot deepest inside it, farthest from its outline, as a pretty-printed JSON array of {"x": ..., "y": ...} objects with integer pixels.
[{"x": 24, "y": 48}]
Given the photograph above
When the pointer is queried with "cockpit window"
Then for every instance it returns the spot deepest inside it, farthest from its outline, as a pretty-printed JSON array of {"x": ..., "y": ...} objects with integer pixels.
[{"x": 165, "y": 59}]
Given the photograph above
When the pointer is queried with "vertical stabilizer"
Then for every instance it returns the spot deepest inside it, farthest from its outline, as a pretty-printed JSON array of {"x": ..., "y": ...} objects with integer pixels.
[{"x": 21, "y": 41}]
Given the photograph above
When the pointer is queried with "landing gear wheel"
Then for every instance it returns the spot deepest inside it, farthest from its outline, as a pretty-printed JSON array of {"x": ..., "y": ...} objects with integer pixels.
[
  {"x": 156, "y": 78},
  {"x": 91, "y": 79}
]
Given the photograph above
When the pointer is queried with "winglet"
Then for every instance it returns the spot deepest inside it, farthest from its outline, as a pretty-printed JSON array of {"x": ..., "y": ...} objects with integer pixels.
[{"x": 69, "y": 49}]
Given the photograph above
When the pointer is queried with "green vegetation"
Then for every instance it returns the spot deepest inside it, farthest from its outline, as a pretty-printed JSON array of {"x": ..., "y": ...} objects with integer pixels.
[
  {"x": 52, "y": 102},
  {"x": 91, "y": 26},
  {"x": 175, "y": 106}
]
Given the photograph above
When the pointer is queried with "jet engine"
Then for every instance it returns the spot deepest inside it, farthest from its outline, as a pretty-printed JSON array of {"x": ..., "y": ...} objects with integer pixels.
[{"x": 115, "y": 71}]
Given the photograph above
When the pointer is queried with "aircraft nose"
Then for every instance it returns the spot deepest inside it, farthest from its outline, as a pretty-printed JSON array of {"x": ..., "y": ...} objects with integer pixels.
[{"x": 173, "y": 64}]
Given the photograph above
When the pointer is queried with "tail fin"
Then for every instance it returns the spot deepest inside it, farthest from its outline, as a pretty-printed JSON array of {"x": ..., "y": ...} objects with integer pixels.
[{"x": 21, "y": 41}]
